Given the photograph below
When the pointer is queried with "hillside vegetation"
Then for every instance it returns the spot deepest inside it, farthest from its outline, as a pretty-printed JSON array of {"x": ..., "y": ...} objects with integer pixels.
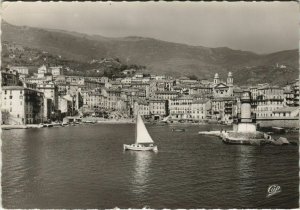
[{"x": 156, "y": 55}]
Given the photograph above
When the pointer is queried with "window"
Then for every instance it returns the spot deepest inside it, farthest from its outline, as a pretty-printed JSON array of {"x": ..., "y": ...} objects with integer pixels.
[
  {"x": 10, "y": 109},
  {"x": 10, "y": 97},
  {"x": 5, "y": 92}
]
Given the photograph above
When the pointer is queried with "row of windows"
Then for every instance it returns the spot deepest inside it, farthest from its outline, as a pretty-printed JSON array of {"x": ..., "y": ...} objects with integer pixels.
[
  {"x": 267, "y": 108},
  {"x": 270, "y": 103},
  {"x": 179, "y": 111},
  {"x": 5, "y": 92},
  {"x": 158, "y": 112}
]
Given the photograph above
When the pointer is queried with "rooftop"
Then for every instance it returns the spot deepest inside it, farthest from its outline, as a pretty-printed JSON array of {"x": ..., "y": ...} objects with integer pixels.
[{"x": 200, "y": 101}]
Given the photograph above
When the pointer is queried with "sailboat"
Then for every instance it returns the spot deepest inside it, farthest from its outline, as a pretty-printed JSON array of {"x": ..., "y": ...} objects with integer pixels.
[{"x": 143, "y": 140}]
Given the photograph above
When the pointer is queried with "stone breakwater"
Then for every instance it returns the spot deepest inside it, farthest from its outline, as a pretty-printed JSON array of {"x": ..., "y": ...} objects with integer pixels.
[{"x": 254, "y": 138}]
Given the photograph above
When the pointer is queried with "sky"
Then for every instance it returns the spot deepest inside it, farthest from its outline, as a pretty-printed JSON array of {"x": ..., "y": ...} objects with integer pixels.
[{"x": 261, "y": 27}]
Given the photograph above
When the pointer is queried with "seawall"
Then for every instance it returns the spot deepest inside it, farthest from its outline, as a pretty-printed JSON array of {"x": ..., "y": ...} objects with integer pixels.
[{"x": 278, "y": 122}]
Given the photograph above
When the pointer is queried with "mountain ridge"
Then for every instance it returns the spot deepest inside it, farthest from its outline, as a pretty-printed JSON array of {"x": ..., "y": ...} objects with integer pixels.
[{"x": 159, "y": 56}]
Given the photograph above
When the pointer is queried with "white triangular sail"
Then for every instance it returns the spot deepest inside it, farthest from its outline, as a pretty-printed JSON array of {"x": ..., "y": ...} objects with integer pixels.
[{"x": 142, "y": 135}]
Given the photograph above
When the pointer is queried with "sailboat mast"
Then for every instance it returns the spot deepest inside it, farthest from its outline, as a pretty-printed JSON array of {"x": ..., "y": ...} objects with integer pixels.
[{"x": 136, "y": 127}]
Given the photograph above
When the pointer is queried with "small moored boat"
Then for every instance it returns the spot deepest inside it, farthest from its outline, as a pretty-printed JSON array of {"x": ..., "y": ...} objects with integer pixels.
[{"x": 178, "y": 129}]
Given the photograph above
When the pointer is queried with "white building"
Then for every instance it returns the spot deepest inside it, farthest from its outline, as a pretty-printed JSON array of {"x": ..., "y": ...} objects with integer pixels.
[
  {"x": 20, "y": 105},
  {"x": 50, "y": 91},
  {"x": 20, "y": 69},
  {"x": 56, "y": 71}
]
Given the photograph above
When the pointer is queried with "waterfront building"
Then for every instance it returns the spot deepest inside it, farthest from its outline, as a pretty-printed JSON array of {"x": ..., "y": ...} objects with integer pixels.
[
  {"x": 94, "y": 100},
  {"x": 65, "y": 105},
  {"x": 111, "y": 96},
  {"x": 157, "y": 108},
  {"x": 222, "y": 109},
  {"x": 21, "y": 105},
  {"x": 141, "y": 107},
  {"x": 123, "y": 107},
  {"x": 269, "y": 99},
  {"x": 288, "y": 98},
  {"x": 200, "y": 109},
  {"x": 286, "y": 112},
  {"x": 180, "y": 108}
]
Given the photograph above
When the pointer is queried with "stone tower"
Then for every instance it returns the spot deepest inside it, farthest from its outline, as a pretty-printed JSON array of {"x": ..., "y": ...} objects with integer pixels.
[
  {"x": 229, "y": 79},
  {"x": 216, "y": 79}
]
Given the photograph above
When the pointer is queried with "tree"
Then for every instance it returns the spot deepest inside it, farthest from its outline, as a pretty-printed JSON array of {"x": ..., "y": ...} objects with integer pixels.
[{"x": 193, "y": 77}]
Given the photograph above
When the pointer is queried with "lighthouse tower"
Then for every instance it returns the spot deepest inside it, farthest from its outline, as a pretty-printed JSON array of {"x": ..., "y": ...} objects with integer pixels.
[
  {"x": 216, "y": 79},
  {"x": 246, "y": 125}
]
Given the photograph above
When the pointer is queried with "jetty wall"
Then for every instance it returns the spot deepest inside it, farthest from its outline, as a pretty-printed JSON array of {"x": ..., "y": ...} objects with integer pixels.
[{"x": 278, "y": 122}]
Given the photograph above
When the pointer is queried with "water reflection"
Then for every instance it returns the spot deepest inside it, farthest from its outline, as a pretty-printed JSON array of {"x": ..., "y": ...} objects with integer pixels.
[
  {"x": 141, "y": 172},
  {"x": 246, "y": 168}
]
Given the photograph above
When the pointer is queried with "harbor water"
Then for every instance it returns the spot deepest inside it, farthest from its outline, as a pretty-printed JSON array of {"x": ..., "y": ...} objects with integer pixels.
[{"x": 85, "y": 167}]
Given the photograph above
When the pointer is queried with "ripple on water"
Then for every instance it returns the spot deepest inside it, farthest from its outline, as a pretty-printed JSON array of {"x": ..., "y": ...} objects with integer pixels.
[{"x": 85, "y": 167}]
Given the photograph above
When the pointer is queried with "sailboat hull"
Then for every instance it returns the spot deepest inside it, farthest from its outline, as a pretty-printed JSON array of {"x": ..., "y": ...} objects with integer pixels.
[{"x": 137, "y": 147}]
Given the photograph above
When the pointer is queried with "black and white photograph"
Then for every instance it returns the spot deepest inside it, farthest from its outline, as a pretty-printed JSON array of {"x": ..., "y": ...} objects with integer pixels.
[{"x": 150, "y": 105}]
